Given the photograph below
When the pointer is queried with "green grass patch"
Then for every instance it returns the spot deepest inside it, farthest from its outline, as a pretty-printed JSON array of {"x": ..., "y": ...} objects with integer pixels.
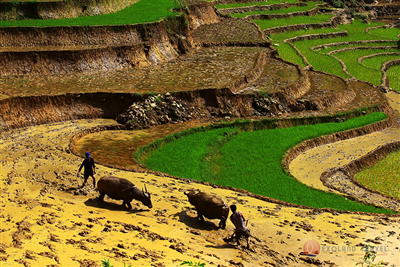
[
  {"x": 341, "y": 46},
  {"x": 270, "y": 23},
  {"x": 359, "y": 71},
  {"x": 287, "y": 52},
  {"x": 252, "y": 160},
  {"x": 387, "y": 33},
  {"x": 328, "y": 63},
  {"x": 384, "y": 176},
  {"x": 286, "y": 35},
  {"x": 271, "y": 2},
  {"x": 394, "y": 77},
  {"x": 377, "y": 61},
  {"x": 310, "y": 5},
  {"x": 143, "y": 11}
]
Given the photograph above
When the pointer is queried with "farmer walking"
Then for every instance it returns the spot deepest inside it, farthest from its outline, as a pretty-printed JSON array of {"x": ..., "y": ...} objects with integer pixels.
[{"x": 89, "y": 169}]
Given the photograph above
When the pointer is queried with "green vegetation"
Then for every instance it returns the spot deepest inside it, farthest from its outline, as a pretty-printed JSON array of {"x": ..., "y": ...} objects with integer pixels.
[
  {"x": 287, "y": 52},
  {"x": 271, "y": 2},
  {"x": 251, "y": 160},
  {"x": 338, "y": 46},
  {"x": 319, "y": 18},
  {"x": 193, "y": 264},
  {"x": 369, "y": 258},
  {"x": 358, "y": 70},
  {"x": 384, "y": 176},
  {"x": 310, "y": 5},
  {"x": 384, "y": 32},
  {"x": 376, "y": 62},
  {"x": 143, "y": 11},
  {"x": 290, "y": 34},
  {"x": 394, "y": 77},
  {"x": 327, "y": 63},
  {"x": 107, "y": 263}
]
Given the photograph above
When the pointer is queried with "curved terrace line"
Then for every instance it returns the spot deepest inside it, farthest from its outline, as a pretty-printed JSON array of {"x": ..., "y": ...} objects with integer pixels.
[
  {"x": 246, "y": 9},
  {"x": 360, "y": 48},
  {"x": 384, "y": 68},
  {"x": 360, "y": 59},
  {"x": 309, "y": 13},
  {"x": 349, "y": 43},
  {"x": 316, "y": 36},
  {"x": 332, "y": 23}
]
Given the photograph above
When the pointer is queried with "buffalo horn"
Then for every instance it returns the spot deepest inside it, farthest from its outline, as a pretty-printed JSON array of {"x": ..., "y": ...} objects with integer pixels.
[{"x": 146, "y": 189}]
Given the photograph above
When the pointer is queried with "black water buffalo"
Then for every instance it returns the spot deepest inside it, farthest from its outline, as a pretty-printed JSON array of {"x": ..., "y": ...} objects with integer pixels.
[
  {"x": 122, "y": 189},
  {"x": 209, "y": 206}
]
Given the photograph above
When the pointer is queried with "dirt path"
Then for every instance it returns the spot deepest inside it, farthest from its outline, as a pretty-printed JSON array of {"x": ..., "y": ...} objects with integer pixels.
[{"x": 42, "y": 226}]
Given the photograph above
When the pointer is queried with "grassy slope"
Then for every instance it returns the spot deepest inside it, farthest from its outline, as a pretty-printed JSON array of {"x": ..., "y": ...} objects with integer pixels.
[
  {"x": 388, "y": 170},
  {"x": 141, "y": 12},
  {"x": 252, "y": 161}
]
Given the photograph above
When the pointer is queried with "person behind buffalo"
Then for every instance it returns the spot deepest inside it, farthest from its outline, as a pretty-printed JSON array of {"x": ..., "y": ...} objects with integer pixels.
[
  {"x": 238, "y": 220},
  {"x": 89, "y": 169}
]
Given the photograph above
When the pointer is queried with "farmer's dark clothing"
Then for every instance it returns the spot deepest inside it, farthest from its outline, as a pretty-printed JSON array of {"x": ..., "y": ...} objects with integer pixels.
[
  {"x": 89, "y": 170},
  {"x": 89, "y": 167}
]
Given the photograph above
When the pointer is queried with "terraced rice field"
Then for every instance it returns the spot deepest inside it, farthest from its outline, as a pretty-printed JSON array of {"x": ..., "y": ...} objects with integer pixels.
[{"x": 271, "y": 67}]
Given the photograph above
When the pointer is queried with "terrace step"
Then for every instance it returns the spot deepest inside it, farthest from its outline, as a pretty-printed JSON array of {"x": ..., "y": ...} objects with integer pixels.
[
  {"x": 297, "y": 27},
  {"x": 327, "y": 91},
  {"x": 245, "y": 9},
  {"x": 59, "y": 9}
]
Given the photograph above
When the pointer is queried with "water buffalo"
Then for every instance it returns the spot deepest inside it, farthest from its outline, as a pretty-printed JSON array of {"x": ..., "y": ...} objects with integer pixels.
[
  {"x": 122, "y": 189},
  {"x": 209, "y": 206}
]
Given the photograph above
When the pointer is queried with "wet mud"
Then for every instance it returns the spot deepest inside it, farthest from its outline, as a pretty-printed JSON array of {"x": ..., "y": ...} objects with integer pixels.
[{"x": 47, "y": 220}]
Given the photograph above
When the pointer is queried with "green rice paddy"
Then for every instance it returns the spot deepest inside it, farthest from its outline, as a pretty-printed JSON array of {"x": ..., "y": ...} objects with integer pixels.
[
  {"x": 384, "y": 176},
  {"x": 143, "y": 11},
  {"x": 252, "y": 160},
  {"x": 310, "y": 5}
]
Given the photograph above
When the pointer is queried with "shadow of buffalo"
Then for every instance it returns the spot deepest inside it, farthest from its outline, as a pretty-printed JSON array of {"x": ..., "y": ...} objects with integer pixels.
[
  {"x": 94, "y": 202},
  {"x": 193, "y": 222}
]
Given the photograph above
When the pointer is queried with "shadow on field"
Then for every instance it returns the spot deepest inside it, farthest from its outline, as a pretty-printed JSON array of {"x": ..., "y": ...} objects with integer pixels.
[
  {"x": 193, "y": 222},
  {"x": 94, "y": 202}
]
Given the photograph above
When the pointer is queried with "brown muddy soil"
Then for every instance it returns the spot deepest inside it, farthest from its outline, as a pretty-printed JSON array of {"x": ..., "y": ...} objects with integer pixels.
[
  {"x": 47, "y": 221},
  {"x": 189, "y": 72}
]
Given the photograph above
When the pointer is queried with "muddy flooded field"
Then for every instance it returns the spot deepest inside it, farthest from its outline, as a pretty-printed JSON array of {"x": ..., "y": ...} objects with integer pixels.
[
  {"x": 48, "y": 221},
  {"x": 207, "y": 68}
]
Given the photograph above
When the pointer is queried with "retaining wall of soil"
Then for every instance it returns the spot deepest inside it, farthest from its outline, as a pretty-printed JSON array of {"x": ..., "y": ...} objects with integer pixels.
[
  {"x": 335, "y": 100},
  {"x": 342, "y": 178},
  {"x": 316, "y": 36},
  {"x": 348, "y": 43},
  {"x": 266, "y": 7},
  {"x": 202, "y": 13},
  {"x": 311, "y": 12},
  {"x": 385, "y": 66},
  {"x": 14, "y": 10},
  {"x": 332, "y": 24},
  {"x": 118, "y": 47},
  {"x": 308, "y": 144}
]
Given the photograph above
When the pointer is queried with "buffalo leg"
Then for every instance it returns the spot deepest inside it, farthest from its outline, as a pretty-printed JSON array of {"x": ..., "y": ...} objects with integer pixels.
[
  {"x": 222, "y": 223},
  {"x": 200, "y": 216},
  {"x": 101, "y": 197},
  {"x": 128, "y": 204}
]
